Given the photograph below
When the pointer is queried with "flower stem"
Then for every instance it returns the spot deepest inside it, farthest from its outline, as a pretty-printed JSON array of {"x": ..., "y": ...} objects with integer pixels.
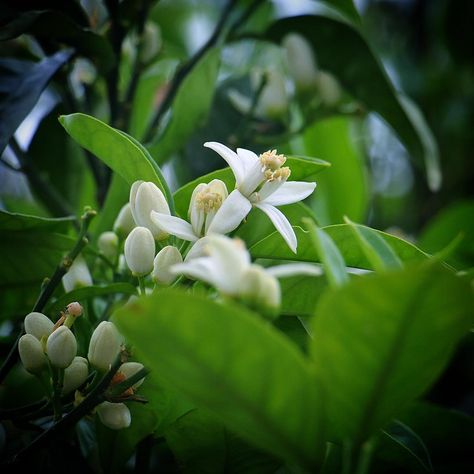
[{"x": 141, "y": 283}]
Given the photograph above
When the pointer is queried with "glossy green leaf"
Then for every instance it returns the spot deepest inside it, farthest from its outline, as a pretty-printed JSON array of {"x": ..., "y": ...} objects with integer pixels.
[
  {"x": 343, "y": 189},
  {"x": 227, "y": 360},
  {"x": 332, "y": 260},
  {"x": 377, "y": 327},
  {"x": 22, "y": 83},
  {"x": 361, "y": 73},
  {"x": 190, "y": 106},
  {"x": 455, "y": 220},
  {"x": 273, "y": 246},
  {"x": 378, "y": 252},
  {"x": 299, "y": 294},
  {"x": 120, "y": 152},
  {"x": 10, "y": 221}
]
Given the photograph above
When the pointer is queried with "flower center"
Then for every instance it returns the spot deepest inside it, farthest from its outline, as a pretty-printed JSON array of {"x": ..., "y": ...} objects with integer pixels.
[
  {"x": 271, "y": 161},
  {"x": 280, "y": 174},
  {"x": 208, "y": 201}
]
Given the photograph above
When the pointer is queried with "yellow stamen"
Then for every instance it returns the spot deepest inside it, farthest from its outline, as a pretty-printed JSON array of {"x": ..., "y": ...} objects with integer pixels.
[
  {"x": 208, "y": 201},
  {"x": 279, "y": 174},
  {"x": 271, "y": 161}
]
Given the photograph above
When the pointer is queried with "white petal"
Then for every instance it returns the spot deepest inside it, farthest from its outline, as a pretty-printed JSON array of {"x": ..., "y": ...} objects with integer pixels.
[
  {"x": 290, "y": 192},
  {"x": 232, "y": 212},
  {"x": 198, "y": 249},
  {"x": 230, "y": 157},
  {"x": 252, "y": 178},
  {"x": 281, "y": 224},
  {"x": 248, "y": 158},
  {"x": 199, "y": 268},
  {"x": 195, "y": 215},
  {"x": 291, "y": 269},
  {"x": 174, "y": 225},
  {"x": 268, "y": 189}
]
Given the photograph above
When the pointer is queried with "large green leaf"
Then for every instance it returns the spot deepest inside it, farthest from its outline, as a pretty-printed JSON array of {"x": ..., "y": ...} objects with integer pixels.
[
  {"x": 10, "y": 221},
  {"x": 343, "y": 189},
  {"x": 22, "y": 83},
  {"x": 273, "y": 246},
  {"x": 121, "y": 153},
  {"x": 299, "y": 294},
  {"x": 456, "y": 220},
  {"x": 190, "y": 106},
  {"x": 229, "y": 361},
  {"x": 361, "y": 73},
  {"x": 382, "y": 340}
]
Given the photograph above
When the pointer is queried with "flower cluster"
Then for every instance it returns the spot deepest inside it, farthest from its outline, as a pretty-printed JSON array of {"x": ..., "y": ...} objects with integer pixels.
[{"x": 49, "y": 351}]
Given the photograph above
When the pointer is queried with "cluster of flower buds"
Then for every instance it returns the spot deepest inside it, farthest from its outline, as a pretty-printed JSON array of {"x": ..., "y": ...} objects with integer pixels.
[
  {"x": 45, "y": 341},
  {"x": 48, "y": 349}
]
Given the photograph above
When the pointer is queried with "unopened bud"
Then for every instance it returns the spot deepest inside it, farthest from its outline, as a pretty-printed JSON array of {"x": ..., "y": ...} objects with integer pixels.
[
  {"x": 131, "y": 368},
  {"x": 74, "y": 309},
  {"x": 75, "y": 375},
  {"x": 108, "y": 244},
  {"x": 144, "y": 198},
  {"x": 164, "y": 260},
  {"x": 31, "y": 354},
  {"x": 329, "y": 88},
  {"x": 151, "y": 42},
  {"x": 61, "y": 347},
  {"x": 104, "y": 346},
  {"x": 301, "y": 62},
  {"x": 273, "y": 102},
  {"x": 38, "y": 325},
  {"x": 260, "y": 290},
  {"x": 77, "y": 276},
  {"x": 115, "y": 416},
  {"x": 124, "y": 223},
  {"x": 140, "y": 251}
]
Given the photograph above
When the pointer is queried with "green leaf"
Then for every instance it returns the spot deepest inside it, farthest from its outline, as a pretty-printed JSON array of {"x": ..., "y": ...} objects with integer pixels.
[
  {"x": 377, "y": 327},
  {"x": 378, "y": 252},
  {"x": 227, "y": 360},
  {"x": 333, "y": 261},
  {"x": 303, "y": 168},
  {"x": 445, "y": 227},
  {"x": 299, "y": 294},
  {"x": 22, "y": 83},
  {"x": 116, "y": 149},
  {"x": 361, "y": 73},
  {"x": 273, "y": 246},
  {"x": 190, "y": 106},
  {"x": 345, "y": 7},
  {"x": 201, "y": 444},
  {"x": 89, "y": 292},
  {"x": 10, "y": 221},
  {"x": 448, "y": 435},
  {"x": 343, "y": 189}
]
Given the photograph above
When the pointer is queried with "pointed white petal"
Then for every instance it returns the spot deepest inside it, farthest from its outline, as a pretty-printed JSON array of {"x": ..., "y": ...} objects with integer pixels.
[
  {"x": 248, "y": 158},
  {"x": 290, "y": 192},
  {"x": 269, "y": 188},
  {"x": 199, "y": 268},
  {"x": 281, "y": 224},
  {"x": 230, "y": 157},
  {"x": 232, "y": 212},
  {"x": 199, "y": 249},
  {"x": 252, "y": 178},
  {"x": 291, "y": 269},
  {"x": 174, "y": 225}
]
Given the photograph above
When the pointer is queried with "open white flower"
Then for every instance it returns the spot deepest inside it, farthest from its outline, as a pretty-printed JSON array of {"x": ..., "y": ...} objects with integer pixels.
[
  {"x": 227, "y": 264},
  {"x": 211, "y": 211},
  {"x": 261, "y": 181}
]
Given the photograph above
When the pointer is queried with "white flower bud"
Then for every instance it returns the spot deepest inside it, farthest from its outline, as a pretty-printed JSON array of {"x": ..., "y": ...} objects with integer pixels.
[
  {"x": 77, "y": 276},
  {"x": 108, "y": 244},
  {"x": 144, "y": 198},
  {"x": 61, "y": 347},
  {"x": 104, "y": 346},
  {"x": 164, "y": 260},
  {"x": 38, "y": 325},
  {"x": 131, "y": 368},
  {"x": 273, "y": 102},
  {"x": 329, "y": 88},
  {"x": 76, "y": 374},
  {"x": 31, "y": 354},
  {"x": 140, "y": 251},
  {"x": 124, "y": 223},
  {"x": 151, "y": 42},
  {"x": 301, "y": 62},
  {"x": 260, "y": 290},
  {"x": 115, "y": 416},
  {"x": 74, "y": 309}
]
